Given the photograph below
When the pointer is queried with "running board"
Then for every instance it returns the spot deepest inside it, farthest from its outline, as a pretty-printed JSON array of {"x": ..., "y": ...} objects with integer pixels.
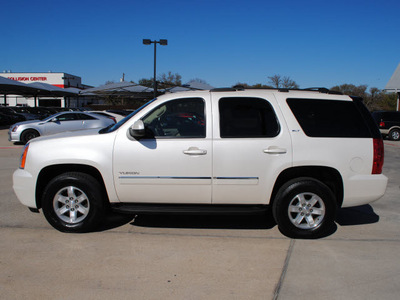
[{"x": 193, "y": 209}]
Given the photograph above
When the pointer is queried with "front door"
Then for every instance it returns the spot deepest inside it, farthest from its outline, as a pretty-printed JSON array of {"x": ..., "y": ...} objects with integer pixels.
[
  {"x": 172, "y": 163},
  {"x": 63, "y": 122}
]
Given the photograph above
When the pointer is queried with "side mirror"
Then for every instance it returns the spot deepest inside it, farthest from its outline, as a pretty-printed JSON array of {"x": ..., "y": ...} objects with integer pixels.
[{"x": 137, "y": 130}]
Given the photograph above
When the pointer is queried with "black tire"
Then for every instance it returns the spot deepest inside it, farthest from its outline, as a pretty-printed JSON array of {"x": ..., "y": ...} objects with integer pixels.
[
  {"x": 86, "y": 196},
  {"x": 304, "y": 208},
  {"x": 394, "y": 134},
  {"x": 29, "y": 134}
]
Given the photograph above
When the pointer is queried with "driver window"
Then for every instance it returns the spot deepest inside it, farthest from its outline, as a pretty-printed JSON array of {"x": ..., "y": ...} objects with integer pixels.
[{"x": 181, "y": 118}]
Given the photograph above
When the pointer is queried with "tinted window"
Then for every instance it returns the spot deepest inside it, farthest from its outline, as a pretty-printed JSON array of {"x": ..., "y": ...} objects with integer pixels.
[
  {"x": 329, "y": 118},
  {"x": 390, "y": 116},
  {"x": 177, "y": 118},
  {"x": 66, "y": 117},
  {"x": 247, "y": 118},
  {"x": 84, "y": 117}
]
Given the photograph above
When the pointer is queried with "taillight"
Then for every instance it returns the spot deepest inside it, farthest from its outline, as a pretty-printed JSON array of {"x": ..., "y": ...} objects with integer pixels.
[
  {"x": 378, "y": 156},
  {"x": 23, "y": 157},
  {"x": 382, "y": 124}
]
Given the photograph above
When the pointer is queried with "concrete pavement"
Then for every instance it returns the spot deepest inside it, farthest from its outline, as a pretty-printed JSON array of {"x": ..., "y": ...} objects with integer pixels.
[{"x": 178, "y": 257}]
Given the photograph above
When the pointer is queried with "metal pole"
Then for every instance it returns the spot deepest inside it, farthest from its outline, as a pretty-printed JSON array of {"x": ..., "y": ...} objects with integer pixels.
[{"x": 154, "y": 79}]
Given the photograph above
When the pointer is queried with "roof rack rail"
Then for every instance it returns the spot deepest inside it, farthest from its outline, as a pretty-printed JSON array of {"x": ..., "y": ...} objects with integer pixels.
[
  {"x": 225, "y": 89},
  {"x": 323, "y": 90},
  {"x": 282, "y": 90}
]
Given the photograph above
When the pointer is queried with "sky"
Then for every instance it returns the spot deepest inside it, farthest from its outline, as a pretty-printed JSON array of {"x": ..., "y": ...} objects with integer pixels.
[{"x": 315, "y": 43}]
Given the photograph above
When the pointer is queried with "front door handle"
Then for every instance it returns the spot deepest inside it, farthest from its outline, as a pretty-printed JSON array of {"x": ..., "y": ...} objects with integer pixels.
[
  {"x": 194, "y": 151},
  {"x": 275, "y": 150}
]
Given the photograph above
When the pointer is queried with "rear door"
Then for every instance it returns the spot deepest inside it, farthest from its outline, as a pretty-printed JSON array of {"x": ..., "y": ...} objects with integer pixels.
[{"x": 251, "y": 147}]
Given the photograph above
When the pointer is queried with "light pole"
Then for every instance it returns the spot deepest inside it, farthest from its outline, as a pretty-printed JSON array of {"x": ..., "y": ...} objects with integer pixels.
[{"x": 149, "y": 42}]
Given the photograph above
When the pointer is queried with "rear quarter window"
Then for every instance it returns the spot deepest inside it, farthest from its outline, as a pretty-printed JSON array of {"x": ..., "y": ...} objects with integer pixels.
[{"x": 329, "y": 118}]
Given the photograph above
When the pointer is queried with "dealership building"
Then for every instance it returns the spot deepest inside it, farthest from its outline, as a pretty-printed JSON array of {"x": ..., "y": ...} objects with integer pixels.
[{"x": 65, "y": 81}]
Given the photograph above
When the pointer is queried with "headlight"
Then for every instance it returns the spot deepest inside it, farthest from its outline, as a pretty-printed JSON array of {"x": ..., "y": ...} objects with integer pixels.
[
  {"x": 23, "y": 156},
  {"x": 15, "y": 128}
]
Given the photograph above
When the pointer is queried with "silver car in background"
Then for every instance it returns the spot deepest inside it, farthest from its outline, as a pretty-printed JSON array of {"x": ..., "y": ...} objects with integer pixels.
[{"x": 60, "y": 122}]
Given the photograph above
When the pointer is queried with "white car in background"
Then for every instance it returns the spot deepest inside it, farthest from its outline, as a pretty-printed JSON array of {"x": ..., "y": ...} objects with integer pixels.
[{"x": 64, "y": 121}]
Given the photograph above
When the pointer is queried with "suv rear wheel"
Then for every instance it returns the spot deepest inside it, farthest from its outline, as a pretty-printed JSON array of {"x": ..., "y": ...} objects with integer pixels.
[
  {"x": 73, "y": 202},
  {"x": 304, "y": 208}
]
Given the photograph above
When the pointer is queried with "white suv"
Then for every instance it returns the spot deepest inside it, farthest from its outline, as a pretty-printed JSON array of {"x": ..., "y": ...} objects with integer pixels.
[{"x": 303, "y": 153}]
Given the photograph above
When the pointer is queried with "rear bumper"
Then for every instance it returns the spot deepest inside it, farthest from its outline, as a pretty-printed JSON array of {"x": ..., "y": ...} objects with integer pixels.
[{"x": 364, "y": 189}]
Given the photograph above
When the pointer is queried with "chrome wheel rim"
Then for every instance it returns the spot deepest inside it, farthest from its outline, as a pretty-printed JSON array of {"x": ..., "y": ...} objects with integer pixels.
[
  {"x": 395, "y": 135},
  {"x": 71, "y": 205},
  {"x": 306, "y": 210}
]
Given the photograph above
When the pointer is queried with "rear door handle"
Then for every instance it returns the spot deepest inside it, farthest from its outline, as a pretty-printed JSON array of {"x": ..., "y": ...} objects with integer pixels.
[
  {"x": 275, "y": 150},
  {"x": 195, "y": 151}
]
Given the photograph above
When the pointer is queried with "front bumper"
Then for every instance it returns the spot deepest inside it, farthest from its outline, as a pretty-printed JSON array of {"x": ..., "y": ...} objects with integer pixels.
[
  {"x": 24, "y": 188},
  {"x": 13, "y": 136}
]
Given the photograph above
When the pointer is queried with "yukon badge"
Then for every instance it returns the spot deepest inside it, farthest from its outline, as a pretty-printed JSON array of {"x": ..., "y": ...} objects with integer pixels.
[{"x": 129, "y": 173}]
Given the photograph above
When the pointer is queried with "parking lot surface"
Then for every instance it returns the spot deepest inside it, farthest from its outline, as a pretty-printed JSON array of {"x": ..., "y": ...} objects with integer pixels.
[{"x": 182, "y": 257}]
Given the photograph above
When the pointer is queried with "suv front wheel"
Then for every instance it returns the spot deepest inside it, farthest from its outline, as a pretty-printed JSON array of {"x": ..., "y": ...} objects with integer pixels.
[
  {"x": 73, "y": 202},
  {"x": 304, "y": 208}
]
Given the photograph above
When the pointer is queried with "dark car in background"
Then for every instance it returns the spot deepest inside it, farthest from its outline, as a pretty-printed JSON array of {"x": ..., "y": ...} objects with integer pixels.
[
  {"x": 5, "y": 120},
  {"x": 25, "y": 112},
  {"x": 15, "y": 117},
  {"x": 41, "y": 111},
  {"x": 388, "y": 123}
]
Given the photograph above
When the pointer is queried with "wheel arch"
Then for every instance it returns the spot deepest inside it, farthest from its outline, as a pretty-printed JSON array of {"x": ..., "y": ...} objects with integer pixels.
[
  {"x": 329, "y": 176},
  {"x": 49, "y": 172},
  {"x": 30, "y": 129}
]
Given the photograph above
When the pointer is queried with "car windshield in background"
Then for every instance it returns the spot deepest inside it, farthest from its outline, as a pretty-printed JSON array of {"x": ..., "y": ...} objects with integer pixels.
[{"x": 123, "y": 121}]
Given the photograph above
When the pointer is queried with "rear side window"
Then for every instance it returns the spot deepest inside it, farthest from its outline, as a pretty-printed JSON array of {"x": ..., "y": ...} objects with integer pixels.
[
  {"x": 329, "y": 118},
  {"x": 390, "y": 116},
  {"x": 84, "y": 117},
  {"x": 245, "y": 117}
]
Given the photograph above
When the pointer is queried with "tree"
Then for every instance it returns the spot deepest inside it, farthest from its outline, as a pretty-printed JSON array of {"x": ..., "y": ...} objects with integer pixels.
[
  {"x": 279, "y": 82},
  {"x": 146, "y": 82},
  {"x": 388, "y": 101},
  {"x": 254, "y": 86},
  {"x": 169, "y": 80},
  {"x": 165, "y": 80},
  {"x": 351, "y": 89},
  {"x": 199, "y": 80},
  {"x": 374, "y": 98}
]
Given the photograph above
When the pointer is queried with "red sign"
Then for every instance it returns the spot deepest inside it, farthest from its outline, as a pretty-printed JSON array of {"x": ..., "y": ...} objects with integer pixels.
[{"x": 28, "y": 78}]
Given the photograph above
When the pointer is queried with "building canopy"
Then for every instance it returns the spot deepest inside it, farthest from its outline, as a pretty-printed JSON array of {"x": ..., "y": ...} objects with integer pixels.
[{"x": 394, "y": 82}]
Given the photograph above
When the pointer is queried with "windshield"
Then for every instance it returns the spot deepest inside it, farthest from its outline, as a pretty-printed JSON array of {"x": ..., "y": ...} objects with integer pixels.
[
  {"x": 49, "y": 117},
  {"x": 114, "y": 127}
]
